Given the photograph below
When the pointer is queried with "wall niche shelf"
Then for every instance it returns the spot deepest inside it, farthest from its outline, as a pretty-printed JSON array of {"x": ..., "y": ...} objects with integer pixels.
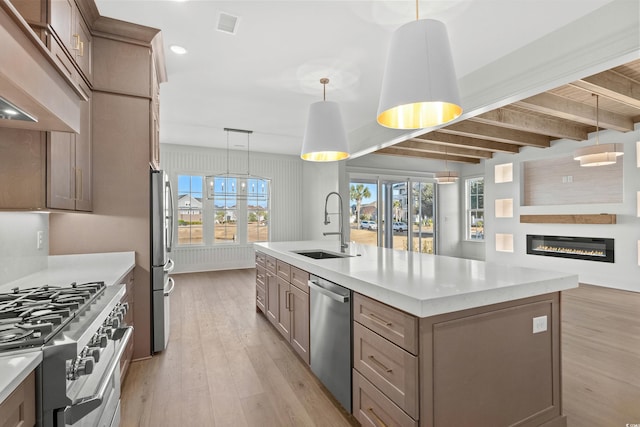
[
  {"x": 504, "y": 208},
  {"x": 503, "y": 173},
  {"x": 569, "y": 219},
  {"x": 504, "y": 242}
]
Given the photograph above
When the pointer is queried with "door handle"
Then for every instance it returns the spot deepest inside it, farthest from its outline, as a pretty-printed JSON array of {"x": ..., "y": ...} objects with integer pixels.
[{"x": 327, "y": 292}]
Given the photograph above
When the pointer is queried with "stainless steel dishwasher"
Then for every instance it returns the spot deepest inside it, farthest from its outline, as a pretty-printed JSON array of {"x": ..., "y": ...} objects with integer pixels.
[{"x": 330, "y": 331}]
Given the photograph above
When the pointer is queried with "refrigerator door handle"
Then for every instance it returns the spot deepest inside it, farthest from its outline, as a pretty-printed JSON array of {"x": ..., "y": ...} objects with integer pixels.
[
  {"x": 170, "y": 217},
  {"x": 171, "y": 286},
  {"x": 168, "y": 267}
]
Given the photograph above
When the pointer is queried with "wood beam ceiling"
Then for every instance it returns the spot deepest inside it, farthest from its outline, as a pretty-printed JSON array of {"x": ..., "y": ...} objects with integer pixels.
[{"x": 567, "y": 112}]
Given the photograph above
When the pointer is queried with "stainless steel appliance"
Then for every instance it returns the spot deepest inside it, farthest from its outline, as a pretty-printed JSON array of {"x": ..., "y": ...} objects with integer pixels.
[
  {"x": 80, "y": 330},
  {"x": 331, "y": 330},
  {"x": 161, "y": 265}
]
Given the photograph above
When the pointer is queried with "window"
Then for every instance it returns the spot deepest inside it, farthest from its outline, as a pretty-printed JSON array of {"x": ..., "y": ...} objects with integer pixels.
[
  {"x": 189, "y": 210},
  {"x": 475, "y": 209},
  {"x": 235, "y": 210}
]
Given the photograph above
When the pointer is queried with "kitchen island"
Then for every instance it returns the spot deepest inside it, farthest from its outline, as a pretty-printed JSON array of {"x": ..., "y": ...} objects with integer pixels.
[{"x": 441, "y": 341}]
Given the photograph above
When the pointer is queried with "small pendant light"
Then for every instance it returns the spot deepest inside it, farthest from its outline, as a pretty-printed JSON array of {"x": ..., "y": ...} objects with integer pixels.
[
  {"x": 420, "y": 87},
  {"x": 446, "y": 176},
  {"x": 325, "y": 139},
  {"x": 599, "y": 154}
]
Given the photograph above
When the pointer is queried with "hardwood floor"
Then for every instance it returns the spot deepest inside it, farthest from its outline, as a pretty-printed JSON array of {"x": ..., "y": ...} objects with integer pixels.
[
  {"x": 601, "y": 357},
  {"x": 227, "y": 366}
]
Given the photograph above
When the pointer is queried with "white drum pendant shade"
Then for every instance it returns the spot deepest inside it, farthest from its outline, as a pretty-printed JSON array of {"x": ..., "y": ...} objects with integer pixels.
[
  {"x": 325, "y": 139},
  {"x": 446, "y": 177},
  {"x": 599, "y": 154},
  {"x": 420, "y": 86}
]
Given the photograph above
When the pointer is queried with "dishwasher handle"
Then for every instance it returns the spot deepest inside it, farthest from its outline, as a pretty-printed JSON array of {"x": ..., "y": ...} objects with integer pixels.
[{"x": 324, "y": 291}]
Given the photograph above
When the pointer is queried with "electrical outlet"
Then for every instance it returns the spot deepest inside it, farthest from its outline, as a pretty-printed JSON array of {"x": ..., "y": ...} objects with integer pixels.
[
  {"x": 539, "y": 324},
  {"x": 39, "y": 239}
]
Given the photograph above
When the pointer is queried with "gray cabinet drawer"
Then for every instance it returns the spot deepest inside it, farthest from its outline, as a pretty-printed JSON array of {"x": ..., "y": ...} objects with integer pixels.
[
  {"x": 373, "y": 409},
  {"x": 397, "y": 326}
]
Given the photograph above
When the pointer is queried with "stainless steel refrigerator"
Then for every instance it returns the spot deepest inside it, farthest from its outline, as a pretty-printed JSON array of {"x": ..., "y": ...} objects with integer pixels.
[{"x": 161, "y": 265}]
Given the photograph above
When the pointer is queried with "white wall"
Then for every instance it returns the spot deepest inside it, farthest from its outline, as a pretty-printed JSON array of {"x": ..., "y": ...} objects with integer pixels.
[
  {"x": 287, "y": 213},
  {"x": 622, "y": 274},
  {"x": 319, "y": 179},
  {"x": 19, "y": 255}
]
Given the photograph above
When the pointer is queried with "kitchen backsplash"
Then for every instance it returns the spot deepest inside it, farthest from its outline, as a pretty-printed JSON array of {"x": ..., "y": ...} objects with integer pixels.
[{"x": 19, "y": 253}]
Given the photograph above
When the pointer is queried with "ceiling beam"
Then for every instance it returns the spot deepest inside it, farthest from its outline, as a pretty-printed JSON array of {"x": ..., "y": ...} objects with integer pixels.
[
  {"x": 466, "y": 142},
  {"x": 496, "y": 133},
  {"x": 513, "y": 119},
  {"x": 392, "y": 151},
  {"x": 558, "y": 106},
  {"x": 427, "y": 147},
  {"x": 613, "y": 86}
]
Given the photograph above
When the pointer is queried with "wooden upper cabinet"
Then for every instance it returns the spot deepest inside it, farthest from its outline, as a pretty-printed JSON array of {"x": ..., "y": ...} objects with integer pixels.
[
  {"x": 22, "y": 169},
  {"x": 69, "y": 177},
  {"x": 72, "y": 32}
]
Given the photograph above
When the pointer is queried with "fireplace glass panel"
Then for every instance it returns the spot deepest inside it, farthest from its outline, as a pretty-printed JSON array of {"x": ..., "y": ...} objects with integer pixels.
[{"x": 586, "y": 248}]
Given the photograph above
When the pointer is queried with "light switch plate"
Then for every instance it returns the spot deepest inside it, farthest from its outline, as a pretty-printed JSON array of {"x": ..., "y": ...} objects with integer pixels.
[{"x": 539, "y": 324}]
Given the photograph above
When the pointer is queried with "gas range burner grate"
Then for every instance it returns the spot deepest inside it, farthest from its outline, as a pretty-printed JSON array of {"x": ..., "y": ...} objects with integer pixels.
[{"x": 31, "y": 316}]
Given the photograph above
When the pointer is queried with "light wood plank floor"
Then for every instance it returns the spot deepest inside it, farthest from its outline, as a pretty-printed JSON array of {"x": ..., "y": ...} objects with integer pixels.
[
  {"x": 601, "y": 357},
  {"x": 227, "y": 366}
]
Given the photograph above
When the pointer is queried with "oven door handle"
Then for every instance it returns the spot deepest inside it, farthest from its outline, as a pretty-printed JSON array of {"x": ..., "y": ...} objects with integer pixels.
[{"x": 82, "y": 407}]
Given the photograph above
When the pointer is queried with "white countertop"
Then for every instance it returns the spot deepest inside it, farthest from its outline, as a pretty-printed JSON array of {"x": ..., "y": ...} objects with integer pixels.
[
  {"x": 420, "y": 284},
  {"x": 62, "y": 270},
  {"x": 14, "y": 368}
]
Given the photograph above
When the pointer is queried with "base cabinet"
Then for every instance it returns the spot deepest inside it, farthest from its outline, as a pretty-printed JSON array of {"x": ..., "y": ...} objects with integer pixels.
[
  {"x": 282, "y": 294},
  {"x": 19, "y": 409},
  {"x": 484, "y": 366},
  {"x": 125, "y": 360}
]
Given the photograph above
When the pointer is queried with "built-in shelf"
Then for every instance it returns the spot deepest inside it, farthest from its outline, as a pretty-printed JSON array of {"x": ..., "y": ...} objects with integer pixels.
[
  {"x": 504, "y": 208},
  {"x": 569, "y": 219},
  {"x": 638, "y": 202},
  {"x": 638, "y": 252},
  {"x": 503, "y": 173},
  {"x": 504, "y": 242},
  {"x": 638, "y": 154}
]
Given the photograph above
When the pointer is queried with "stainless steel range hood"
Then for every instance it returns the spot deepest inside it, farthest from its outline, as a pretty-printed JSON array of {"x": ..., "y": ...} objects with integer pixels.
[{"x": 8, "y": 111}]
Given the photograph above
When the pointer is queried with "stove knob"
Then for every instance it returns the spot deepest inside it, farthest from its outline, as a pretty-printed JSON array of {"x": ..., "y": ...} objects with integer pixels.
[
  {"x": 113, "y": 322},
  {"x": 125, "y": 307},
  {"x": 99, "y": 340},
  {"x": 94, "y": 352},
  {"x": 84, "y": 367},
  {"x": 105, "y": 331}
]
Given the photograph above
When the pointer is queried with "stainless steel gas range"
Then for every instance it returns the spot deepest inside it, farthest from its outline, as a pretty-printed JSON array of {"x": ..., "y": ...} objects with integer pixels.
[{"x": 80, "y": 331}]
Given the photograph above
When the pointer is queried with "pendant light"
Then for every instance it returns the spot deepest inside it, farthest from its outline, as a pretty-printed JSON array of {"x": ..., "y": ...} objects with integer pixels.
[
  {"x": 420, "y": 87},
  {"x": 598, "y": 154},
  {"x": 229, "y": 187},
  {"x": 446, "y": 176},
  {"x": 325, "y": 139}
]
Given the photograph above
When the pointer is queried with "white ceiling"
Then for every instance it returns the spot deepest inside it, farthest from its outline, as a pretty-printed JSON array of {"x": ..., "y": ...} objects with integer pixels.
[{"x": 265, "y": 77}]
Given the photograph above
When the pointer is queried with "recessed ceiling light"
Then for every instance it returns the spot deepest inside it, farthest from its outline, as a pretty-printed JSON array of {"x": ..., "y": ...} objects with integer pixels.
[
  {"x": 178, "y": 49},
  {"x": 10, "y": 112}
]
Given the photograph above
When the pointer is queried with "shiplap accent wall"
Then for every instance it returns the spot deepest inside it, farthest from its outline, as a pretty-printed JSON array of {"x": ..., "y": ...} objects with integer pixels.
[{"x": 287, "y": 213}]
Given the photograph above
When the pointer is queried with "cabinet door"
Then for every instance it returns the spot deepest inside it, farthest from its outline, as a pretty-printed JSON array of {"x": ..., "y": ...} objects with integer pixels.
[
  {"x": 284, "y": 308},
  {"x": 272, "y": 298},
  {"x": 84, "y": 45},
  {"x": 60, "y": 170},
  {"x": 19, "y": 409},
  {"x": 83, "y": 176},
  {"x": 22, "y": 168},
  {"x": 300, "y": 322},
  {"x": 61, "y": 20}
]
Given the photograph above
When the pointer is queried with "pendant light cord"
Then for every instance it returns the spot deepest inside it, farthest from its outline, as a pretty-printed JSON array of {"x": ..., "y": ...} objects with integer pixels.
[{"x": 417, "y": 12}]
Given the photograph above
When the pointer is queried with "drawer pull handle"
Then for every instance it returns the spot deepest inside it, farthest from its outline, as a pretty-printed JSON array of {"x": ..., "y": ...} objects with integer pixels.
[
  {"x": 381, "y": 320},
  {"x": 286, "y": 303},
  {"x": 380, "y": 364},
  {"x": 378, "y": 420}
]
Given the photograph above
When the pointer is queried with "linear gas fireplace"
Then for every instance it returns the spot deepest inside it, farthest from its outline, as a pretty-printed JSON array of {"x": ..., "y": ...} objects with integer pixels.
[{"x": 589, "y": 248}]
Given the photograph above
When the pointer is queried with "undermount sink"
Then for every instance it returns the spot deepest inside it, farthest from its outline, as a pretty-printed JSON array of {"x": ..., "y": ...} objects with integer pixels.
[{"x": 320, "y": 254}]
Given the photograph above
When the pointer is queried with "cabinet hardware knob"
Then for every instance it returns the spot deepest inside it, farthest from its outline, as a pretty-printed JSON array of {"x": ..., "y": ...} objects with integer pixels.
[
  {"x": 380, "y": 319},
  {"x": 380, "y": 364}
]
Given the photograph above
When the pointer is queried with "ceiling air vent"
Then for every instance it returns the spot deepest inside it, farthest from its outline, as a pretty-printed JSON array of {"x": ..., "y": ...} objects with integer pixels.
[{"x": 227, "y": 23}]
